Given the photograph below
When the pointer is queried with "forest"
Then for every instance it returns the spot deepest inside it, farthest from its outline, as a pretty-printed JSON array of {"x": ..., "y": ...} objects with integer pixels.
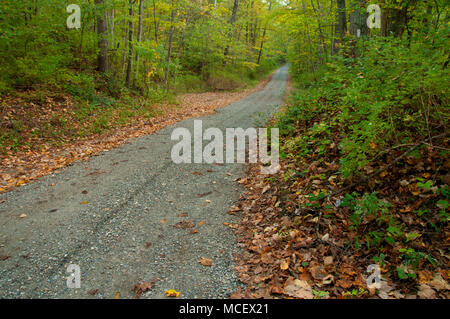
[{"x": 364, "y": 141}]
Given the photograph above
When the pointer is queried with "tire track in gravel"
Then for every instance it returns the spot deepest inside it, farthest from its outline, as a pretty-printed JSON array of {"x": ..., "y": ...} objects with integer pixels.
[{"x": 100, "y": 213}]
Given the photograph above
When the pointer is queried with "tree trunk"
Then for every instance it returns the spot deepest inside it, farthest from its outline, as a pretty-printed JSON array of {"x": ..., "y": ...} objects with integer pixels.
[
  {"x": 341, "y": 20},
  {"x": 169, "y": 50},
  {"x": 140, "y": 30},
  {"x": 154, "y": 20},
  {"x": 321, "y": 36},
  {"x": 130, "y": 44},
  {"x": 263, "y": 36},
  {"x": 232, "y": 21},
  {"x": 102, "y": 28},
  {"x": 113, "y": 41},
  {"x": 180, "y": 49}
]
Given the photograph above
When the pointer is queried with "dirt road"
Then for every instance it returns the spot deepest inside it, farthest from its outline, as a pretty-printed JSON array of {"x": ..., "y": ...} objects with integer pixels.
[{"x": 123, "y": 216}]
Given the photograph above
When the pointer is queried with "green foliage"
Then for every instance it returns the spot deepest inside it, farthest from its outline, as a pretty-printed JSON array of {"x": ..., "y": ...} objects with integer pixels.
[{"x": 409, "y": 95}]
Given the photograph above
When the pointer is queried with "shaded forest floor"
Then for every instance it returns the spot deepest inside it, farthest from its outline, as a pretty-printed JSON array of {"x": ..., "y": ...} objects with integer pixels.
[
  {"x": 306, "y": 232},
  {"x": 53, "y": 130}
]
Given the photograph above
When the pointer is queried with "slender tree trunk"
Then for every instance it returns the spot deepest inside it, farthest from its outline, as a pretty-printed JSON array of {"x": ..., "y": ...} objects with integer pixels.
[
  {"x": 169, "y": 50},
  {"x": 130, "y": 44},
  {"x": 125, "y": 50},
  {"x": 313, "y": 69},
  {"x": 342, "y": 19},
  {"x": 140, "y": 30},
  {"x": 340, "y": 27},
  {"x": 322, "y": 38},
  {"x": 263, "y": 37},
  {"x": 154, "y": 20},
  {"x": 113, "y": 41},
  {"x": 102, "y": 28},
  {"x": 180, "y": 49},
  {"x": 232, "y": 21}
]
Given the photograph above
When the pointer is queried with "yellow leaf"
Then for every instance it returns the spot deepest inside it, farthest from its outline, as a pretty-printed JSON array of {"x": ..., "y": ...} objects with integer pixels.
[
  {"x": 84, "y": 203},
  {"x": 284, "y": 265},
  {"x": 172, "y": 293}
]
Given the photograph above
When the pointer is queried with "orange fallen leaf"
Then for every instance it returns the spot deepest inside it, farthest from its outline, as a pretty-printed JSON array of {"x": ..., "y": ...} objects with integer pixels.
[{"x": 205, "y": 261}]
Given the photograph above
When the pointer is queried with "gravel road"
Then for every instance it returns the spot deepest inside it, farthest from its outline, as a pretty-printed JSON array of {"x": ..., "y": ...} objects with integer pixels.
[{"x": 115, "y": 215}]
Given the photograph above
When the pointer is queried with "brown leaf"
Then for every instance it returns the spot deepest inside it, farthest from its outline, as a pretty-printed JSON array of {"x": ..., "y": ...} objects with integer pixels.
[
  {"x": 204, "y": 194},
  {"x": 205, "y": 261},
  {"x": 184, "y": 224},
  {"x": 139, "y": 289},
  {"x": 439, "y": 283},
  {"x": 298, "y": 289},
  {"x": 4, "y": 257},
  {"x": 425, "y": 292},
  {"x": 93, "y": 292},
  {"x": 277, "y": 290}
]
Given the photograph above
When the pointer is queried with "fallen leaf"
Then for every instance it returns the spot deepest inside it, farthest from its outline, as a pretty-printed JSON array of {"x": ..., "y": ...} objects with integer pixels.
[
  {"x": 184, "y": 224},
  {"x": 328, "y": 260},
  {"x": 139, "y": 289},
  {"x": 93, "y": 292},
  {"x": 439, "y": 283},
  {"x": 23, "y": 216},
  {"x": 117, "y": 295},
  {"x": 205, "y": 261},
  {"x": 298, "y": 289},
  {"x": 277, "y": 290},
  {"x": 425, "y": 292},
  {"x": 172, "y": 293},
  {"x": 204, "y": 194}
]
